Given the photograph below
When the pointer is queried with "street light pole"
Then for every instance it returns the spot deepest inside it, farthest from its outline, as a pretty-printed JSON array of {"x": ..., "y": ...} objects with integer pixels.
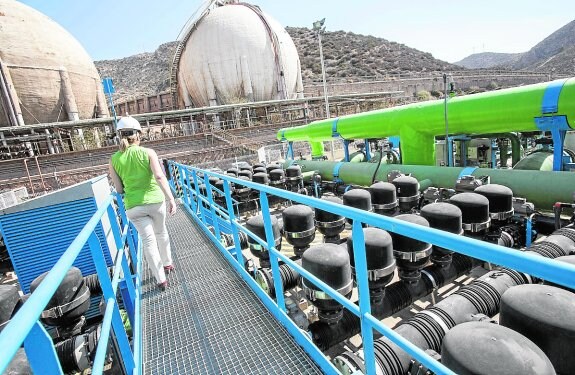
[
  {"x": 319, "y": 27},
  {"x": 447, "y": 148},
  {"x": 323, "y": 74}
]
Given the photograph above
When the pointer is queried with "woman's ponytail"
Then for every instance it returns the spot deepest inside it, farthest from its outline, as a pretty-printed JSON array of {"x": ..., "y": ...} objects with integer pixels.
[
  {"x": 124, "y": 144},
  {"x": 126, "y": 141}
]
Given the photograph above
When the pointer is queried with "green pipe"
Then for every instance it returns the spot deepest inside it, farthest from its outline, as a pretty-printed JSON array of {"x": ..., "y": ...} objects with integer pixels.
[
  {"x": 316, "y": 149},
  {"x": 539, "y": 187},
  {"x": 357, "y": 157},
  {"x": 418, "y": 124},
  {"x": 513, "y": 139}
]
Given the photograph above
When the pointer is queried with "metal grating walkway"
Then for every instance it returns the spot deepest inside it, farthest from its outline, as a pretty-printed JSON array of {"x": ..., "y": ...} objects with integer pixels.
[{"x": 209, "y": 321}]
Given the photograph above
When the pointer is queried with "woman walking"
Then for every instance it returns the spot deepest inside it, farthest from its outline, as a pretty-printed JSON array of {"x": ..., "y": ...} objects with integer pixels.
[{"x": 136, "y": 173}]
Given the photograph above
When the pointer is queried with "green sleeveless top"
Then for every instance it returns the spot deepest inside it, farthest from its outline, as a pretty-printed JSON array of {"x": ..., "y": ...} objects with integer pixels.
[{"x": 140, "y": 186}]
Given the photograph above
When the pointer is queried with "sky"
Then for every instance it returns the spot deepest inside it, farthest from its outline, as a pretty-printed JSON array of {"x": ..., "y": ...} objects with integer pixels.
[{"x": 448, "y": 29}]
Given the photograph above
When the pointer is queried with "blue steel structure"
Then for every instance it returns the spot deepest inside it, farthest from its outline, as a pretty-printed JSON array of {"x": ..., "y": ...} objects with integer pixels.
[
  {"x": 25, "y": 327},
  {"x": 204, "y": 210}
]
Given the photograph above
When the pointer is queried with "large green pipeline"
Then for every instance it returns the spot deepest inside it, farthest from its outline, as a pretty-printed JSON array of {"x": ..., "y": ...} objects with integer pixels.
[
  {"x": 417, "y": 124},
  {"x": 541, "y": 188}
]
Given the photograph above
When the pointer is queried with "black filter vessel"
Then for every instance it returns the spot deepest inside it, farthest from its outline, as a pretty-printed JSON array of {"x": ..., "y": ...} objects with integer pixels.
[
  {"x": 328, "y": 223},
  {"x": 380, "y": 260},
  {"x": 407, "y": 188},
  {"x": 277, "y": 178},
  {"x": 447, "y": 217},
  {"x": 70, "y": 301},
  {"x": 500, "y": 200},
  {"x": 256, "y": 226},
  {"x": 260, "y": 178},
  {"x": 357, "y": 198},
  {"x": 9, "y": 301},
  {"x": 329, "y": 263},
  {"x": 213, "y": 180},
  {"x": 260, "y": 170},
  {"x": 245, "y": 173},
  {"x": 411, "y": 254},
  {"x": 545, "y": 315},
  {"x": 258, "y": 165},
  {"x": 474, "y": 210},
  {"x": 271, "y": 167},
  {"x": 220, "y": 186},
  {"x": 299, "y": 228},
  {"x": 242, "y": 192},
  {"x": 384, "y": 198},
  {"x": 485, "y": 348},
  {"x": 293, "y": 177},
  {"x": 232, "y": 171}
]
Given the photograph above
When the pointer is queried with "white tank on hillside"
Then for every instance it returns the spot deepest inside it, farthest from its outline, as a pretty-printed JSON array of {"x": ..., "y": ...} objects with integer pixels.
[
  {"x": 236, "y": 53},
  {"x": 46, "y": 75}
]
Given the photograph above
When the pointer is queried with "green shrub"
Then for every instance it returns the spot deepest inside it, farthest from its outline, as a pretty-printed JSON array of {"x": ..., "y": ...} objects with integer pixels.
[{"x": 423, "y": 95}]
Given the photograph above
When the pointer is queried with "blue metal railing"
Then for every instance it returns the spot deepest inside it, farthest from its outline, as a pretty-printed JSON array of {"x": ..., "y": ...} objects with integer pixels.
[
  {"x": 558, "y": 272},
  {"x": 25, "y": 328}
]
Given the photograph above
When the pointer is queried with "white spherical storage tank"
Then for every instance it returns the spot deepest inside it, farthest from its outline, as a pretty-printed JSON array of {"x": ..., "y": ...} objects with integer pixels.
[
  {"x": 236, "y": 53},
  {"x": 46, "y": 75}
]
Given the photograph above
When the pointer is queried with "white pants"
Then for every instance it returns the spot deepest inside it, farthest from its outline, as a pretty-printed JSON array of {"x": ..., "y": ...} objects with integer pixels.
[{"x": 150, "y": 222}]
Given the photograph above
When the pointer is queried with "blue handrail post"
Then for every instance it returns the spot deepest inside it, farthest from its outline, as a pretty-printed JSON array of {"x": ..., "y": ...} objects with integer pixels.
[
  {"x": 271, "y": 250},
  {"x": 191, "y": 201},
  {"x": 232, "y": 217},
  {"x": 345, "y": 149},
  {"x": 210, "y": 196},
  {"x": 137, "y": 327},
  {"x": 449, "y": 155},
  {"x": 127, "y": 284},
  {"x": 184, "y": 177},
  {"x": 131, "y": 232},
  {"x": 41, "y": 352},
  {"x": 290, "y": 155},
  {"x": 367, "y": 150},
  {"x": 199, "y": 205},
  {"x": 181, "y": 182},
  {"x": 363, "y": 289},
  {"x": 110, "y": 295},
  {"x": 100, "y": 358}
]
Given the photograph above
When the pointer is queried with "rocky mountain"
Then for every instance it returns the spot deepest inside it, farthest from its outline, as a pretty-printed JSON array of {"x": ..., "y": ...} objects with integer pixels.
[
  {"x": 347, "y": 56},
  {"x": 139, "y": 75},
  {"x": 554, "y": 54},
  {"x": 563, "y": 62},
  {"x": 486, "y": 60},
  {"x": 559, "y": 41},
  {"x": 352, "y": 56}
]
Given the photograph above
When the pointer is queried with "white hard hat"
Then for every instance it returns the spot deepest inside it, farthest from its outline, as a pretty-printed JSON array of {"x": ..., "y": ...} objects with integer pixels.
[{"x": 128, "y": 123}]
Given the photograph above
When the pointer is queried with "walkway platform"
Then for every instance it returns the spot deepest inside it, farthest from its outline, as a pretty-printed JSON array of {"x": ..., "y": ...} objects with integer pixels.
[{"x": 209, "y": 321}]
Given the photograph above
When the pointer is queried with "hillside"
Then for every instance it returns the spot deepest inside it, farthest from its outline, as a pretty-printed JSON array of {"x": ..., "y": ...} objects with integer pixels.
[
  {"x": 486, "y": 60},
  {"x": 554, "y": 54},
  {"x": 563, "y": 62},
  {"x": 347, "y": 56},
  {"x": 554, "y": 44},
  {"x": 139, "y": 75}
]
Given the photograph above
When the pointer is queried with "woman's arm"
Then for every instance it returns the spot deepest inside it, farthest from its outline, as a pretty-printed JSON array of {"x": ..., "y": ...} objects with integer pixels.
[
  {"x": 161, "y": 179},
  {"x": 116, "y": 180}
]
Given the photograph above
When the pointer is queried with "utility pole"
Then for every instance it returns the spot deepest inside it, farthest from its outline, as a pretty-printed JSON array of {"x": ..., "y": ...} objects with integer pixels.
[
  {"x": 319, "y": 28},
  {"x": 447, "y": 79}
]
